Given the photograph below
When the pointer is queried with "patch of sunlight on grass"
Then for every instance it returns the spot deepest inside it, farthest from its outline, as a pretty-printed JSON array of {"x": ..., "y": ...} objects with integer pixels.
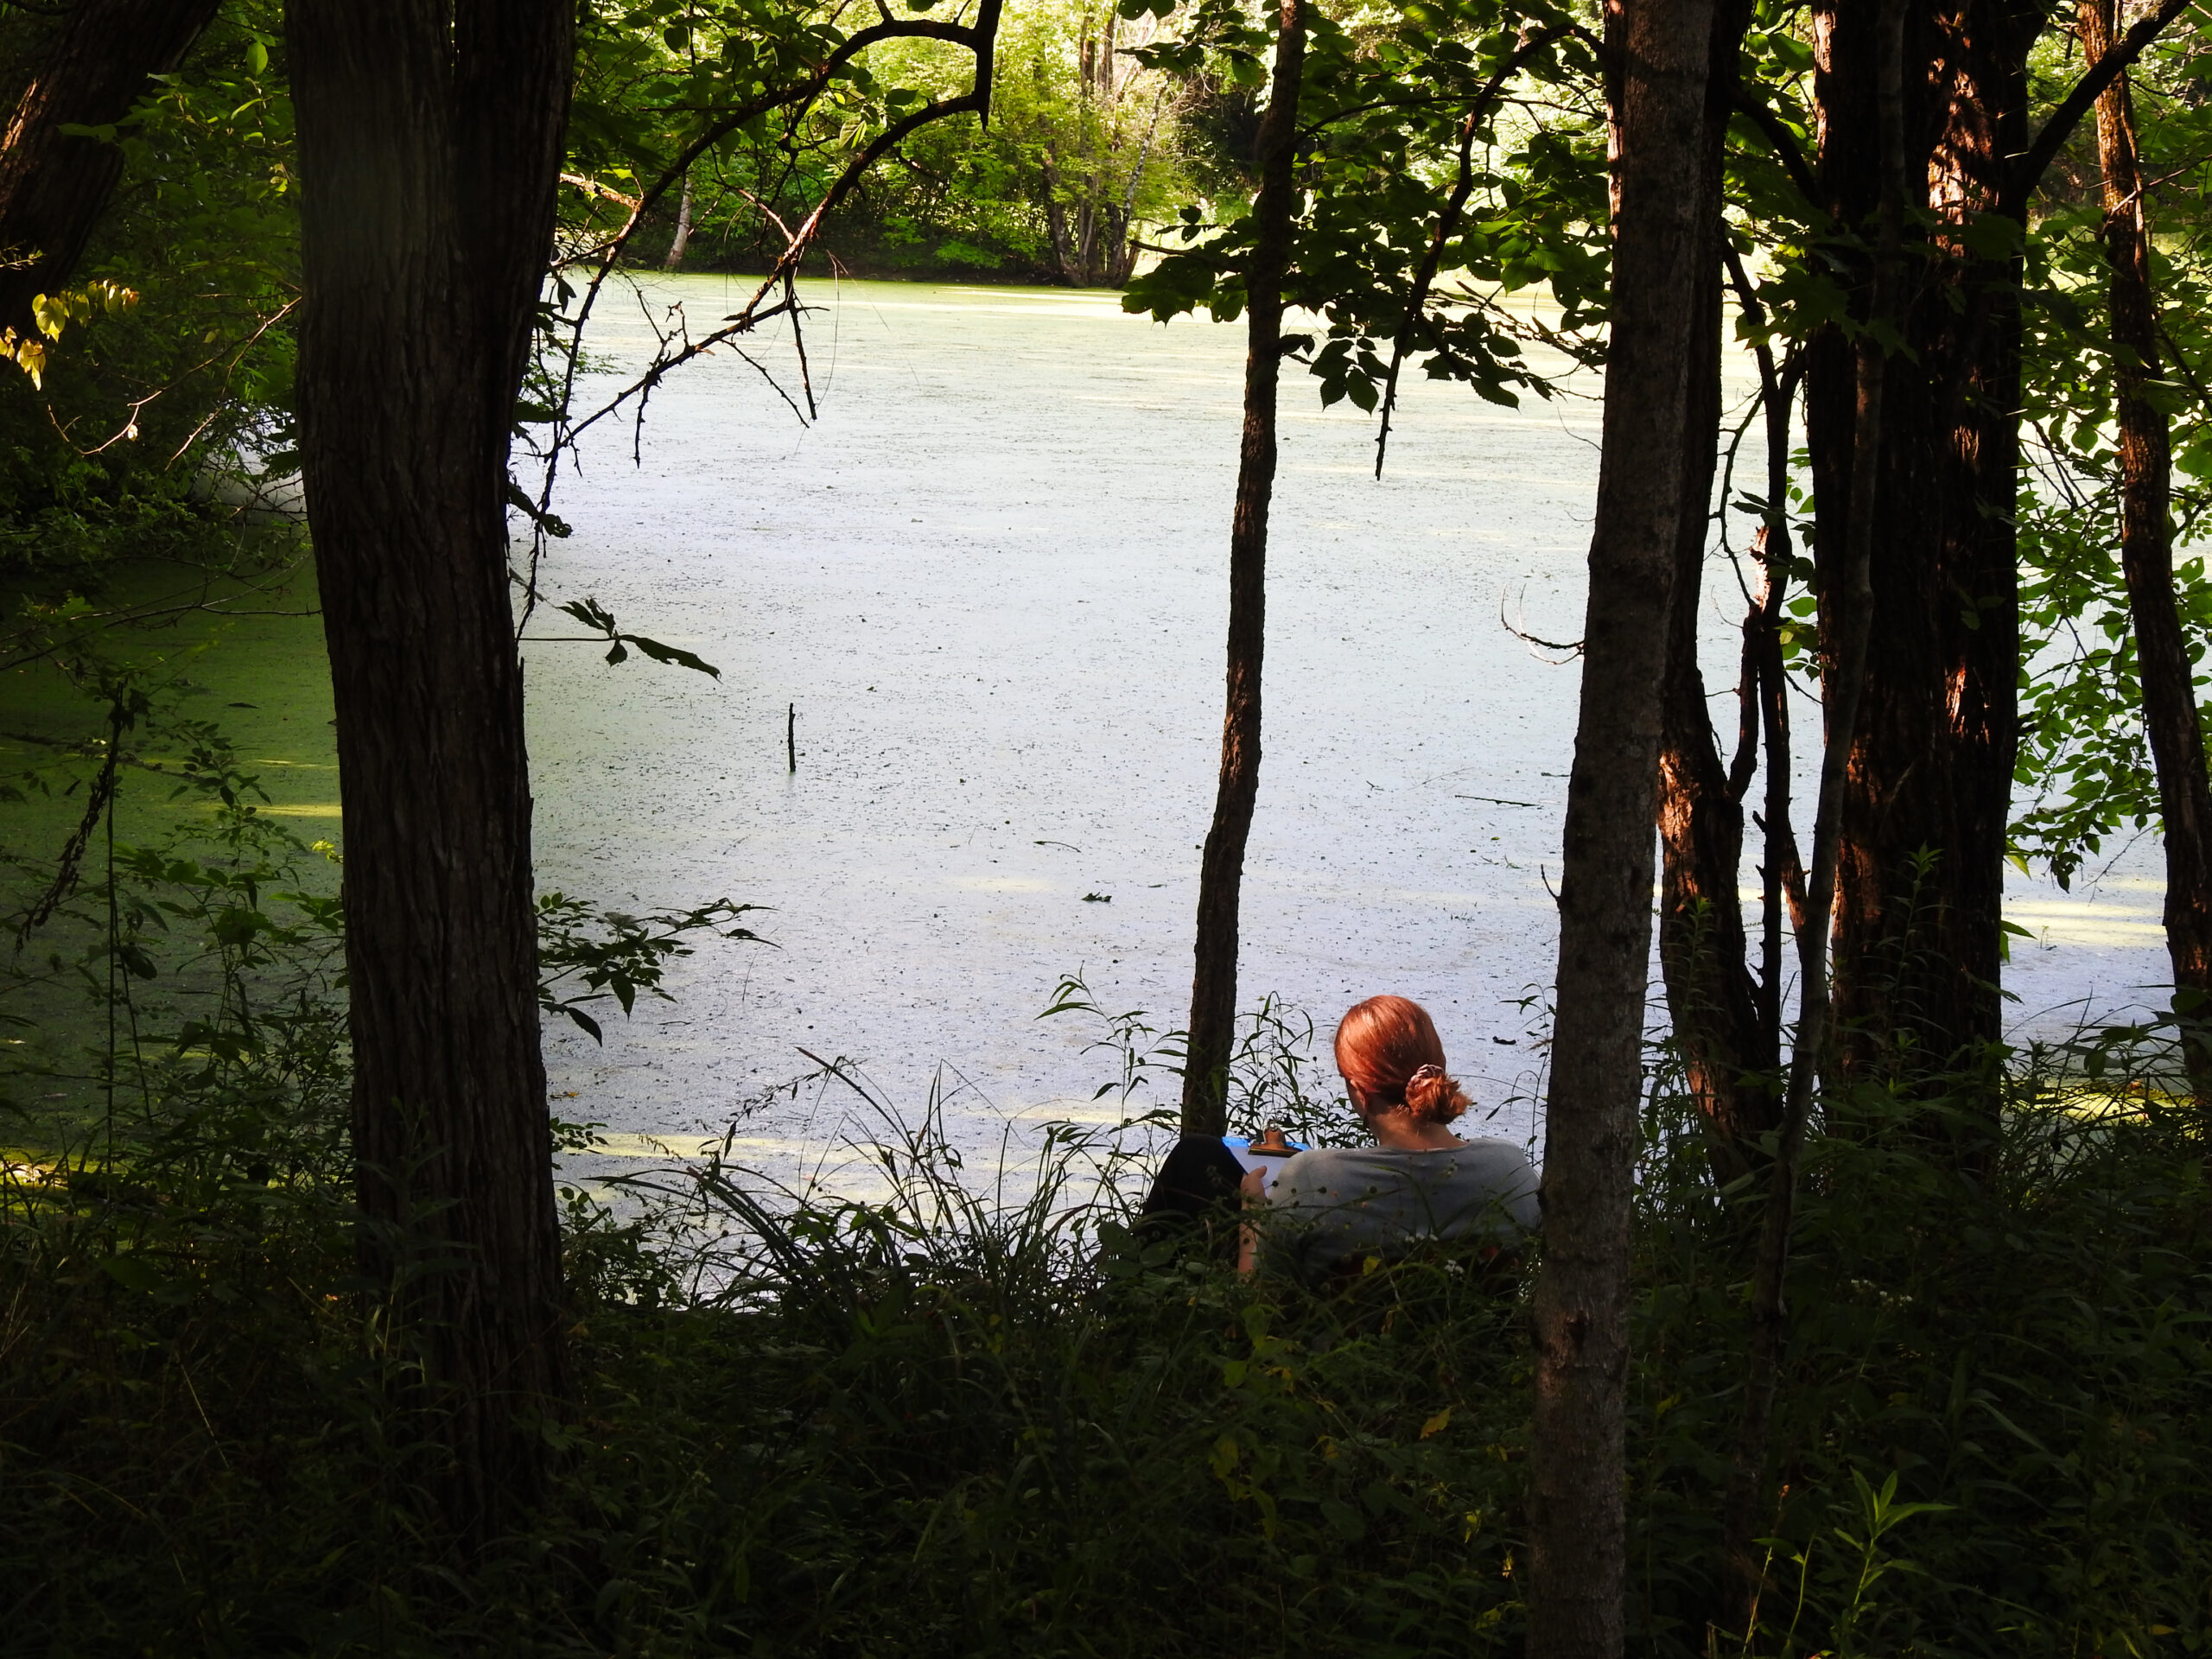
[
  {"x": 686, "y": 1146},
  {"x": 2093, "y": 924},
  {"x": 2097, "y": 1103},
  {"x": 1109, "y": 1114}
]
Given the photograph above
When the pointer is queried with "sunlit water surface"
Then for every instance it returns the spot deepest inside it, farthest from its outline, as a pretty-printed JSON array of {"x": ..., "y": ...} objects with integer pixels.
[{"x": 991, "y": 579}]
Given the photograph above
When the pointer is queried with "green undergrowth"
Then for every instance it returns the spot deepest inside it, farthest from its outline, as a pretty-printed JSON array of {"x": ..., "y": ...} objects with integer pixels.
[
  {"x": 939, "y": 1423},
  {"x": 976, "y": 1414}
]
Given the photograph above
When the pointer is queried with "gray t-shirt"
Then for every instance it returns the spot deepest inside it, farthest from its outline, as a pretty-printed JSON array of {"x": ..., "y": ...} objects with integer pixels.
[{"x": 1335, "y": 1204}]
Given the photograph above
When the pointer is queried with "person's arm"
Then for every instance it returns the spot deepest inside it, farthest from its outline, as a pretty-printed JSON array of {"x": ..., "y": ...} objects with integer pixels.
[{"x": 1253, "y": 1187}]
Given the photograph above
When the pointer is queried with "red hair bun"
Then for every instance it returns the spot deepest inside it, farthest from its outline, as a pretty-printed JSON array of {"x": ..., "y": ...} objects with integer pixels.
[{"x": 1388, "y": 1049}]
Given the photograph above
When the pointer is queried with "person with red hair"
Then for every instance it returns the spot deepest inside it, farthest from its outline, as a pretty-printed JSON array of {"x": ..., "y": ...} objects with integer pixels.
[{"x": 1419, "y": 1180}]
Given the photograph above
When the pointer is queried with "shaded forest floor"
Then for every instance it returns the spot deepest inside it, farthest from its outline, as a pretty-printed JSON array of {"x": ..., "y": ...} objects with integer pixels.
[{"x": 937, "y": 1424}]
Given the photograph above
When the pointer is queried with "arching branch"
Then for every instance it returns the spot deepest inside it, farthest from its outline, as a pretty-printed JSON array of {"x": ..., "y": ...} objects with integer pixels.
[
  {"x": 981, "y": 38},
  {"x": 1448, "y": 220},
  {"x": 1787, "y": 150},
  {"x": 2027, "y": 172}
]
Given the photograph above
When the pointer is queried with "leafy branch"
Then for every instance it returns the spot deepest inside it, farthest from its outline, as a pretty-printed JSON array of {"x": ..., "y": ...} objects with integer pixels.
[
  {"x": 631, "y": 955},
  {"x": 593, "y": 614}
]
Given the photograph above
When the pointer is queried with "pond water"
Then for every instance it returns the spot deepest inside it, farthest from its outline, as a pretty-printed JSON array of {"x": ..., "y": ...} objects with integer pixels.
[{"x": 990, "y": 579}]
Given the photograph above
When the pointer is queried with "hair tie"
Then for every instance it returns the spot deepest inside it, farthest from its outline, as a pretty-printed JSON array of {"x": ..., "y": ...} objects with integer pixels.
[{"x": 1422, "y": 1073}]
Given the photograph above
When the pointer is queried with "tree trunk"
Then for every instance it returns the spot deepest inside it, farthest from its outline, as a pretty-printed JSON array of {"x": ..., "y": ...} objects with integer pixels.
[
  {"x": 1086, "y": 236},
  {"x": 1221, "y": 875},
  {"x": 53, "y": 186},
  {"x": 1930, "y": 782},
  {"x": 1847, "y": 631},
  {"x": 2162, "y": 658},
  {"x": 1056, "y": 226},
  {"x": 1123, "y": 226},
  {"x": 1713, "y": 1003},
  {"x": 682, "y": 239},
  {"x": 1656, "y": 98},
  {"x": 430, "y": 146}
]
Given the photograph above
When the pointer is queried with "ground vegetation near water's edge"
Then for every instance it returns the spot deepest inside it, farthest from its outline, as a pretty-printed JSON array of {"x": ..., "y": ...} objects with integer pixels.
[{"x": 937, "y": 1423}]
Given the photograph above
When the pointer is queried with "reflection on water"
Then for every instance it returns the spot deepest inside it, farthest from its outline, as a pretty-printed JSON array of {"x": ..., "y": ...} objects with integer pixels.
[{"x": 992, "y": 580}]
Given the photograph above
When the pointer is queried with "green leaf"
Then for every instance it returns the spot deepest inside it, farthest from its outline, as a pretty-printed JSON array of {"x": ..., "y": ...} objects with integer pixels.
[
  {"x": 133, "y": 1273},
  {"x": 1343, "y": 1520},
  {"x": 591, "y": 613},
  {"x": 1989, "y": 236},
  {"x": 1791, "y": 53},
  {"x": 661, "y": 653},
  {"x": 550, "y": 523}
]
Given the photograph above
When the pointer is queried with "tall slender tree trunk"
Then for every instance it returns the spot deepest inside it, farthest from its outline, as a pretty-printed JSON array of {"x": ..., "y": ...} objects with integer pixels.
[
  {"x": 1713, "y": 1000},
  {"x": 430, "y": 136},
  {"x": 54, "y": 184},
  {"x": 1124, "y": 242},
  {"x": 1929, "y": 789},
  {"x": 2162, "y": 657},
  {"x": 682, "y": 237},
  {"x": 1847, "y": 631},
  {"x": 1656, "y": 80},
  {"x": 1781, "y": 877},
  {"x": 1221, "y": 875},
  {"x": 1055, "y": 228}
]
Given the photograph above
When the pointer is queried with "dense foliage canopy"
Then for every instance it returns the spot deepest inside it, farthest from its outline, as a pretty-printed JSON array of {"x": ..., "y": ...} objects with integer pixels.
[{"x": 926, "y": 1424}]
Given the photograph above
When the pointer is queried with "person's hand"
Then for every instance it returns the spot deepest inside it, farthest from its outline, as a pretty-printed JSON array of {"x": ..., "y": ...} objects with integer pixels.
[{"x": 1253, "y": 1186}]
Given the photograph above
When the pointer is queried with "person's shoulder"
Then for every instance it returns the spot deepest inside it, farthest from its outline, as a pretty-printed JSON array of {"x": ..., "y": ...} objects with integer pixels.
[
  {"x": 1315, "y": 1165},
  {"x": 1489, "y": 1158},
  {"x": 1322, "y": 1157},
  {"x": 1492, "y": 1147},
  {"x": 1324, "y": 1170},
  {"x": 1500, "y": 1173}
]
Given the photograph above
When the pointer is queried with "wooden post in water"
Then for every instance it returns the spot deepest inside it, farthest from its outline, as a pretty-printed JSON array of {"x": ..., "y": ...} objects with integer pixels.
[{"x": 790, "y": 737}]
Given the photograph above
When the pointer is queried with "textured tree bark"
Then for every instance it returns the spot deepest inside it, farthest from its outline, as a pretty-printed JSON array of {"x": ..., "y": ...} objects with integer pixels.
[
  {"x": 1713, "y": 1001},
  {"x": 2169, "y": 716},
  {"x": 1929, "y": 788},
  {"x": 1846, "y": 637},
  {"x": 430, "y": 147},
  {"x": 1221, "y": 874},
  {"x": 1656, "y": 79},
  {"x": 54, "y": 187}
]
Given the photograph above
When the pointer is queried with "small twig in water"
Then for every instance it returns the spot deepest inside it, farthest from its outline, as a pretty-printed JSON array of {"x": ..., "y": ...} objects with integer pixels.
[{"x": 1573, "y": 648}]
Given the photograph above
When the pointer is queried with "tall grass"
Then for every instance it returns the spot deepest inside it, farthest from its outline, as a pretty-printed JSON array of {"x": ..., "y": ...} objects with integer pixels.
[{"x": 972, "y": 1412}]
